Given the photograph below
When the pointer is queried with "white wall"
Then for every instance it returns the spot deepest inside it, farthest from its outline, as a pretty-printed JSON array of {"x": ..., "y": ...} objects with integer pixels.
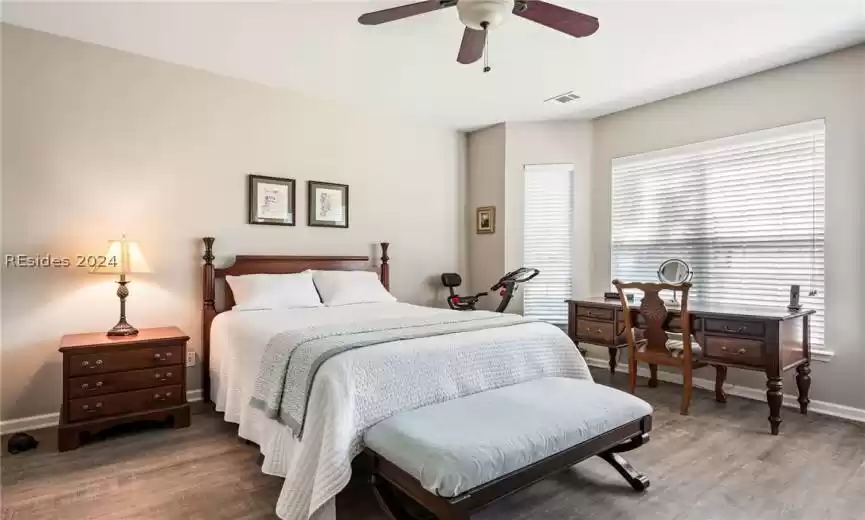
[
  {"x": 553, "y": 142},
  {"x": 100, "y": 142},
  {"x": 830, "y": 87}
]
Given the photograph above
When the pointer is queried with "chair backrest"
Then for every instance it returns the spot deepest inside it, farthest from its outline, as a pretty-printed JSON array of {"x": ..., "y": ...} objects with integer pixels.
[{"x": 655, "y": 315}]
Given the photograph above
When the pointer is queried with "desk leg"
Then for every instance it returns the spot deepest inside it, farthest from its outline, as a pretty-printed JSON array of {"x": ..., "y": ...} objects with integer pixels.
[
  {"x": 581, "y": 350},
  {"x": 803, "y": 381},
  {"x": 775, "y": 396},
  {"x": 614, "y": 359},
  {"x": 720, "y": 377},
  {"x": 653, "y": 375}
]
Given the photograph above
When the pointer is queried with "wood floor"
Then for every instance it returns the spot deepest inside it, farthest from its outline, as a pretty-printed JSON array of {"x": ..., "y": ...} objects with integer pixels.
[{"x": 717, "y": 464}]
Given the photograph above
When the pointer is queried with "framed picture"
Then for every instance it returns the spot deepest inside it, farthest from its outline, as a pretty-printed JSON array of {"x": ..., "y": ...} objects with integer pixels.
[
  {"x": 271, "y": 200},
  {"x": 327, "y": 204},
  {"x": 486, "y": 220}
]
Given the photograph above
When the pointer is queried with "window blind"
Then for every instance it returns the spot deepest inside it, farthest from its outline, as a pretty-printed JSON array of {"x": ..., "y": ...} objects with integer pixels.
[
  {"x": 547, "y": 232},
  {"x": 746, "y": 212}
]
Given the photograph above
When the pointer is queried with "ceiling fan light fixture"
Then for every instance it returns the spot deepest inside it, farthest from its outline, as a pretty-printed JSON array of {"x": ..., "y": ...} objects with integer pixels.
[{"x": 484, "y": 14}]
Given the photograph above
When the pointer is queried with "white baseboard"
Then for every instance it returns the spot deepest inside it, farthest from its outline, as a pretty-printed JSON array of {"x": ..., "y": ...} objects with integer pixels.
[
  {"x": 821, "y": 407},
  {"x": 49, "y": 420},
  {"x": 35, "y": 422},
  {"x": 193, "y": 396}
]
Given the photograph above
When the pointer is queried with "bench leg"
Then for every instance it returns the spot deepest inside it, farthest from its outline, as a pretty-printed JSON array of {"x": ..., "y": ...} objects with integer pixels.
[
  {"x": 637, "y": 480},
  {"x": 387, "y": 500}
]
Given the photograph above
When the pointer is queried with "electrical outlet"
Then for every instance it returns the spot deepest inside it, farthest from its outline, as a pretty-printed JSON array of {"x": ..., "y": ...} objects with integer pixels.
[{"x": 190, "y": 358}]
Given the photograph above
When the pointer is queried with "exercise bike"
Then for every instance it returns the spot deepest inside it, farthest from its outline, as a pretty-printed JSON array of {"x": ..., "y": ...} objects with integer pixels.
[{"x": 507, "y": 286}]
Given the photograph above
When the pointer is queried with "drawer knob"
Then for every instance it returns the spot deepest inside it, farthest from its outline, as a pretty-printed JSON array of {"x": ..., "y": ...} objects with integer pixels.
[
  {"x": 160, "y": 357},
  {"x": 742, "y": 351},
  {"x": 735, "y": 331},
  {"x": 87, "y": 364},
  {"x": 86, "y": 386},
  {"x": 86, "y": 407},
  {"x": 599, "y": 331}
]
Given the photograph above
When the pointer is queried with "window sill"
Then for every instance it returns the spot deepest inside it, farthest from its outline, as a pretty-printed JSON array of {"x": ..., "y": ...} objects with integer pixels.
[{"x": 823, "y": 356}]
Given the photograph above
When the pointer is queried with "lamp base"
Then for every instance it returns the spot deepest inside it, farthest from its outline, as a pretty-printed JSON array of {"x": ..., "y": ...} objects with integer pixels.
[{"x": 122, "y": 329}]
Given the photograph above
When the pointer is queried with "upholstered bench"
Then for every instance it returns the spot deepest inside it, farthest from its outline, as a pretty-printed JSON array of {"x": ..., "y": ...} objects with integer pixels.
[{"x": 458, "y": 456}]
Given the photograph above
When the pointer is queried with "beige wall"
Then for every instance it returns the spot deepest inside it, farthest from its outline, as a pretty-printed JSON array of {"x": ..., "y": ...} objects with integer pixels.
[
  {"x": 553, "y": 142},
  {"x": 830, "y": 87},
  {"x": 100, "y": 142},
  {"x": 497, "y": 158},
  {"x": 486, "y": 169}
]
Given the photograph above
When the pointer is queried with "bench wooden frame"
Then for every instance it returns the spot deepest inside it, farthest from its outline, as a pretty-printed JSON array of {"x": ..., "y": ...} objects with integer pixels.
[{"x": 386, "y": 475}]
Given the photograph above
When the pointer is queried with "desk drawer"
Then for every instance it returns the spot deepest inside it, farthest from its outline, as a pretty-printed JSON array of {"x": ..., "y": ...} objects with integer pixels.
[
  {"x": 126, "y": 402},
  {"x": 738, "y": 327},
  {"x": 86, "y": 364},
  {"x": 734, "y": 350},
  {"x": 595, "y": 313},
  {"x": 122, "y": 381},
  {"x": 597, "y": 331}
]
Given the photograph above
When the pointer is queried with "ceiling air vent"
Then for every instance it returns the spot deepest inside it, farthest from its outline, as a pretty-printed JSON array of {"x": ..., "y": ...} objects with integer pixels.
[{"x": 561, "y": 99}]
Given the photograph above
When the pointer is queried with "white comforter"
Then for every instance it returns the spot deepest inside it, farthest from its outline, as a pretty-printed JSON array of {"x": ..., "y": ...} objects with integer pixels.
[{"x": 393, "y": 377}]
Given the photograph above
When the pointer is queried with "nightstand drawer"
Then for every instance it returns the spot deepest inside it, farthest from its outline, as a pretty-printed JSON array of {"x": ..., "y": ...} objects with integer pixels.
[
  {"x": 122, "y": 381},
  {"x": 126, "y": 402},
  {"x": 86, "y": 364}
]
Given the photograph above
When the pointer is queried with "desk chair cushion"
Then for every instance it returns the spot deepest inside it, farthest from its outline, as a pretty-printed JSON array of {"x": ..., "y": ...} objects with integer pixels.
[{"x": 677, "y": 348}]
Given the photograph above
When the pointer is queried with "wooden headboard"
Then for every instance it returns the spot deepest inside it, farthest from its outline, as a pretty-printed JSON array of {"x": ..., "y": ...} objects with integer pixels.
[{"x": 267, "y": 264}]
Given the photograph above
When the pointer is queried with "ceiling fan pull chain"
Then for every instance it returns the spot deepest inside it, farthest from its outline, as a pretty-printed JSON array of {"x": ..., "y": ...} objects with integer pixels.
[{"x": 486, "y": 47}]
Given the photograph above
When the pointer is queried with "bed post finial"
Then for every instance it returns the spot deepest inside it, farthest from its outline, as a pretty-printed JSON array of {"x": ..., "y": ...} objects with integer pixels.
[
  {"x": 208, "y": 313},
  {"x": 384, "y": 270}
]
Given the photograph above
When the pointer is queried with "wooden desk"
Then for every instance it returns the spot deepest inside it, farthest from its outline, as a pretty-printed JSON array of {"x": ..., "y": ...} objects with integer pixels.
[{"x": 765, "y": 339}]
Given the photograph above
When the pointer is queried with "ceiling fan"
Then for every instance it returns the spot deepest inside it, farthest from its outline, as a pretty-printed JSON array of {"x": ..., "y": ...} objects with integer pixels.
[{"x": 479, "y": 16}]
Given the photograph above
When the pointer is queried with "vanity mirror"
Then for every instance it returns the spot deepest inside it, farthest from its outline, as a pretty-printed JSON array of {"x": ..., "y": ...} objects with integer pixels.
[{"x": 675, "y": 271}]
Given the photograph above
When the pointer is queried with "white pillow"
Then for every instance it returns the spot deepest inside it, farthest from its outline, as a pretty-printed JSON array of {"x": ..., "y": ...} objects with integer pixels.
[
  {"x": 273, "y": 291},
  {"x": 348, "y": 287}
]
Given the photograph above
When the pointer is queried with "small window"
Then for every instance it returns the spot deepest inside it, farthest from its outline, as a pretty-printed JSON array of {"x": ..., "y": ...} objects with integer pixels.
[{"x": 547, "y": 239}]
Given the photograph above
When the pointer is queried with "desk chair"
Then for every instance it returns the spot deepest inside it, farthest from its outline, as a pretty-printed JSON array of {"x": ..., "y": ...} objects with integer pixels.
[{"x": 656, "y": 346}]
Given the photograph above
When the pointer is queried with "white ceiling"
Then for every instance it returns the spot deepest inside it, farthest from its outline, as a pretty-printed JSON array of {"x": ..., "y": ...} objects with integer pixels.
[{"x": 645, "y": 50}]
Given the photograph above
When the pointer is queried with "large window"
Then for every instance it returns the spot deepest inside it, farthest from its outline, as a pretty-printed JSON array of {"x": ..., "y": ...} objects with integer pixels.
[
  {"x": 746, "y": 212},
  {"x": 547, "y": 238}
]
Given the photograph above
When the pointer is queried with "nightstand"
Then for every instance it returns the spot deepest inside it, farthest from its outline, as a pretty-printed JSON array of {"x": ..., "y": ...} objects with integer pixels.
[{"x": 114, "y": 380}]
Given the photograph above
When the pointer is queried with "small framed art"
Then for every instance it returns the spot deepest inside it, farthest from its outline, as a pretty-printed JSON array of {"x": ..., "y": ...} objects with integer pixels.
[
  {"x": 271, "y": 200},
  {"x": 327, "y": 204},
  {"x": 486, "y": 220}
]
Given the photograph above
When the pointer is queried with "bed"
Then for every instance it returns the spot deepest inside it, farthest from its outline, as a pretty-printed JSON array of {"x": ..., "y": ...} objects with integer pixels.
[{"x": 358, "y": 388}]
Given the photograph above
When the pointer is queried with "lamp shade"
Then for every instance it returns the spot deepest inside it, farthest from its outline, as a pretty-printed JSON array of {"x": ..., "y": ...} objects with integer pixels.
[{"x": 123, "y": 257}]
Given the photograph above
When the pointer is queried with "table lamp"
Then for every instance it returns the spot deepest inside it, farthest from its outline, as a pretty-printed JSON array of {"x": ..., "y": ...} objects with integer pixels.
[{"x": 123, "y": 257}]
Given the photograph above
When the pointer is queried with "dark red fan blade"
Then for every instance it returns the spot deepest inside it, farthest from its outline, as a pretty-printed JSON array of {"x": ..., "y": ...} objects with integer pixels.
[
  {"x": 472, "y": 47},
  {"x": 403, "y": 11},
  {"x": 558, "y": 18}
]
